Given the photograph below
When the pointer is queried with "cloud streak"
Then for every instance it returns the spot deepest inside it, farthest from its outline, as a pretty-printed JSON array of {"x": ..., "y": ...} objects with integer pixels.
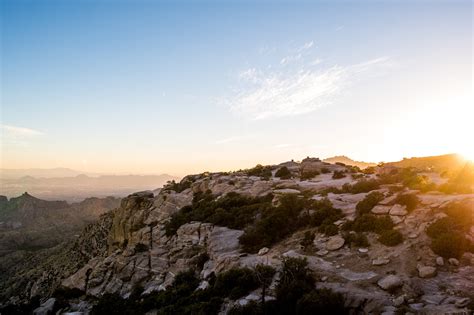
[
  {"x": 290, "y": 93},
  {"x": 19, "y": 132}
]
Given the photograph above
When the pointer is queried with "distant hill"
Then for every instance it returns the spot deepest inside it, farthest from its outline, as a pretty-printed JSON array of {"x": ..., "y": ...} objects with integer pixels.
[
  {"x": 348, "y": 161},
  {"x": 39, "y": 172},
  {"x": 81, "y": 186},
  {"x": 439, "y": 163},
  {"x": 27, "y": 222}
]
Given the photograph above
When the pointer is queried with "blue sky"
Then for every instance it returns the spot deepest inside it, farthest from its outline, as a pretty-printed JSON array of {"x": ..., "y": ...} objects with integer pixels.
[{"x": 188, "y": 86}]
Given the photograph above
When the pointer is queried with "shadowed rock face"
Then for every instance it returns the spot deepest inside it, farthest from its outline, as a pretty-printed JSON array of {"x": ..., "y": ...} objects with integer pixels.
[{"x": 128, "y": 247}]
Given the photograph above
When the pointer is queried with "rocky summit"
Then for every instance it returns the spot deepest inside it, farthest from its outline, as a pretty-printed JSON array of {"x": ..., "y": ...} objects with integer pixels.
[{"x": 281, "y": 238}]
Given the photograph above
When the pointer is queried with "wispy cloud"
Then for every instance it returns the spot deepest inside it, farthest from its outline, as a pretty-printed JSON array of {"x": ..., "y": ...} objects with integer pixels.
[
  {"x": 17, "y": 136},
  {"x": 19, "y": 132},
  {"x": 284, "y": 92},
  {"x": 297, "y": 54},
  {"x": 228, "y": 140}
]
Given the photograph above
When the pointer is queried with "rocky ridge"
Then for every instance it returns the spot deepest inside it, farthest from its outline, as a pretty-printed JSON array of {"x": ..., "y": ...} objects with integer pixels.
[{"x": 129, "y": 246}]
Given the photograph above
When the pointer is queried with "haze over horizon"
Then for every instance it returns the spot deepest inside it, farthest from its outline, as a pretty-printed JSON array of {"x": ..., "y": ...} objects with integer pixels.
[{"x": 161, "y": 87}]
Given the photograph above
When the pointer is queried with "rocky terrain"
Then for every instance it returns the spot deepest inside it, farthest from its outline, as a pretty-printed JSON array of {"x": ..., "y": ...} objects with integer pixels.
[{"x": 381, "y": 241}]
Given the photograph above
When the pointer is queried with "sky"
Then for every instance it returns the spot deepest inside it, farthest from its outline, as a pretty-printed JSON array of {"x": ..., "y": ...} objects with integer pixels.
[{"x": 182, "y": 87}]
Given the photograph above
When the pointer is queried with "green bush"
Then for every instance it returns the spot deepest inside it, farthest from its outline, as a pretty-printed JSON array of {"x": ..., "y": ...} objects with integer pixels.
[
  {"x": 232, "y": 210},
  {"x": 178, "y": 187},
  {"x": 264, "y": 172},
  {"x": 391, "y": 237},
  {"x": 370, "y": 201},
  {"x": 321, "y": 301},
  {"x": 447, "y": 233},
  {"x": 307, "y": 239},
  {"x": 140, "y": 247},
  {"x": 441, "y": 226},
  {"x": 411, "y": 201},
  {"x": 362, "y": 186},
  {"x": 449, "y": 245},
  {"x": 338, "y": 174},
  {"x": 324, "y": 212},
  {"x": 295, "y": 281},
  {"x": 328, "y": 229},
  {"x": 283, "y": 173},
  {"x": 309, "y": 175},
  {"x": 325, "y": 170},
  {"x": 356, "y": 239},
  {"x": 275, "y": 224},
  {"x": 370, "y": 223},
  {"x": 235, "y": 283}
]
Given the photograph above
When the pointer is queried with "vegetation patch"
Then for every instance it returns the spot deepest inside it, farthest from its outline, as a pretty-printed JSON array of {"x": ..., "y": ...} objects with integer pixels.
[
  {"x": 371, "y": 200},
  {"x": 283, "y": 173},
  {"x": 448, "y": 233},
  {"x": 264, "y": 172},
  {"x": 232, "y": 210},
  {"x": 410, "y": 201},
  {"x": 391, "y": 238}
]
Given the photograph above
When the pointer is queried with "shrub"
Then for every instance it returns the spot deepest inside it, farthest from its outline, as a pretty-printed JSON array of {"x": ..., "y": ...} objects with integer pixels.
[
  {"x": 444, "y": 225},
  {"x": 391, "y": 237},
  {"x": 324, "y": 212},
  {"x": 447, "y": 233},
  {"x": 325, "y": 170},
  {"x": 283, "y": 173},
  {"x": 356, "y": 239},
  {"x": 307, "y": 239},
  {"x": 449, "y": 245},
  {"x": 321, "y": 301},
  {"x": 233, "y": 210},
  {"x": 295, "y": 281},
  {"x": 408, "y": 200},
  {"x": 264, "y": 172},
  {"x": 362, "y": 186},
  {"x": 338, "y": 174},
  {"x": 461, "y": 213},
  {"x": 275, "y": 224},
  {"x": 178, "y": 187},
  {"x": 309, "y": 175},
  {"x": 235, "y": 283},
  {"x": 328, "y": 229},
  {"x": 140, "y": 247},
  {"x": 370, "y": 201},
  {"x": 370, "y": 223}
]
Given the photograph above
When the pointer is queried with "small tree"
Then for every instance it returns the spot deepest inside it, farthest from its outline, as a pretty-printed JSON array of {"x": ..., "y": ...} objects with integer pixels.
[{"x": 264, "y": 275}]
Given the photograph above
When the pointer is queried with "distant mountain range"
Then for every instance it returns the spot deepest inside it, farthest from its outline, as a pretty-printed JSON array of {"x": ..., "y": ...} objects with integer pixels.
[
  {"x": 41, "y": 172},
  {"x": 348, "y": 161},
  {"x": 70, "y": 185}
]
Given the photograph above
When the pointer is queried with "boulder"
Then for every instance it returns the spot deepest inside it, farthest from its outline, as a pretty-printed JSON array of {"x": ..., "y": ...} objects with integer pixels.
[
  {"x": 322, "y": 252},
  {"x": 398, "y": 301},
  {"x": 380, "y": 261},
  {"x": 453, "y": 261},
  {"x": 398, "y": 210},
  {"x": 46, "y": 308},
  {"x": 426, "y": 271},
  {"x": 380, "y": 209},
  {"x": 335, "y": 243},
  {"x": 390, "y": 282},
  {"x": 263, "y": 251},
  {"x": 440, "y": 261}
]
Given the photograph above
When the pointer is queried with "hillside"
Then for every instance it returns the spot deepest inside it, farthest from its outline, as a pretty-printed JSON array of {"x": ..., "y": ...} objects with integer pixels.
[
  {"x": 345, "y": 160},
  {"x": 439, "y": 163},
  {"x": 307, "y": 236}
]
